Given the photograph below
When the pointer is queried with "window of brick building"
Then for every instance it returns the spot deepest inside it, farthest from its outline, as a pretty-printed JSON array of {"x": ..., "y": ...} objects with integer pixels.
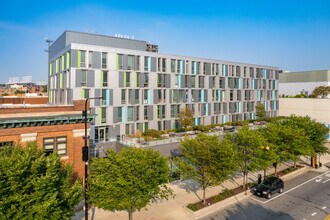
[{"x": 55, "y": 143}]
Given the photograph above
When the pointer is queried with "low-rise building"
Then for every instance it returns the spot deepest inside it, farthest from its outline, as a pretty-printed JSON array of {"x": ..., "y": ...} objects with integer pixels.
[{"x": 54, "y": 128}]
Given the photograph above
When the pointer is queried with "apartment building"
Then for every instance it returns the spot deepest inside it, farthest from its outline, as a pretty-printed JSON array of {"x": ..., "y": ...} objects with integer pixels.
[{"x": 143, "y": 89}]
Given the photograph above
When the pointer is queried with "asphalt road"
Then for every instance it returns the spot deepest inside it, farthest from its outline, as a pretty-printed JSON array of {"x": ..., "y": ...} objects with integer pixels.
[{"x": 305, "y": 197}]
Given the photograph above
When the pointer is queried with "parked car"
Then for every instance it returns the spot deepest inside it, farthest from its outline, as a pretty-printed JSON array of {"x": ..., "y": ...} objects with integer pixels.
[{"x": 269, "y": 186}]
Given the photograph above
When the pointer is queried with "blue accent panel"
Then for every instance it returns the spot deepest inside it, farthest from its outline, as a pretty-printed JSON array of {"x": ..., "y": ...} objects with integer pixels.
[
  {"x": 195, "y": 68},
  {"x": 207, "y": 109},
  {"x": 219, "y": 98},
  {"x": 265, "y": 105},
  {"x": 196, "y": 122},
  {"x": 202, "y": 95},
  {"x": 149, "y": 99},
  {"x": 239, "y": 107},
  {"x": 239, "y": 83},
  {"x": 275, "y": 85},
  {"x": 181, "y": 66},
  {"x": 149, "y": 64},
  {"x": 123, "y": 114},
  {"x": 273, "y": 94},
  {"x": 259, "y": 95},
  {"x": 108, "y": 97},
  {"x": 224, "y": 120},
  {"x": 253, "y": 84},
  {"x": 275, "y": 105},
  {"x": 265, "y": 73},
  {"x": 252, "y": 115},
  {"x": 224, "y": 70},
  {"x": 179, "y": 81}
]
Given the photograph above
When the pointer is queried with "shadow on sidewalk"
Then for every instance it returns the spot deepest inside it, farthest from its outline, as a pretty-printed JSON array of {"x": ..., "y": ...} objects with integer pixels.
[{"x": 188, "y": 185}]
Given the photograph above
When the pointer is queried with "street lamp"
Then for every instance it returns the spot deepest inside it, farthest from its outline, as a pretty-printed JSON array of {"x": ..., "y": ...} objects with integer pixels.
[
  {"x": 85, "y": 154},
  {"x": 266, "y": 149}
]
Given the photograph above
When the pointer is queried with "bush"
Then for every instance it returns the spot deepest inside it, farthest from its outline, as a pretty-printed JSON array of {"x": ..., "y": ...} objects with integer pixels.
[
  {"x": 179, "y": 130},
  {"x": 224, "y": 194},
  {"x": 192, "y": 207},
  {"x": 152, "y": 133}
]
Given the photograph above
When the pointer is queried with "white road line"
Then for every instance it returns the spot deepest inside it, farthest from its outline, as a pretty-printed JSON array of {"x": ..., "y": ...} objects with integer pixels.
[
  {"x": 326, "y": 181},
  {"x": 324, "y": 207},
  {"x": 318, "y": 180},
  {"x": 313, "y": 214},
  {"x": 285, "y": 192}
]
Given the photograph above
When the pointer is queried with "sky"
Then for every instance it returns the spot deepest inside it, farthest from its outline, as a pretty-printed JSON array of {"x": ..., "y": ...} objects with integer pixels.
[{"x": 293, "y": 35}]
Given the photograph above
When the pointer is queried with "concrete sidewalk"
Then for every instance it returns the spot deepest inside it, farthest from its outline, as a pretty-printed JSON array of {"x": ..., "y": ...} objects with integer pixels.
[{"x": 175, "y": 208}]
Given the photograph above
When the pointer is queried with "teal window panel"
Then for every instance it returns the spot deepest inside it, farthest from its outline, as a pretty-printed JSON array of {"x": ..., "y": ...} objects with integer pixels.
[
  {"x": 273, "y": 94},
  {"x": 239, "y": 107},
  {"x": 265, "y": 73},
  {"x": 259, "y": 95},
  {"x": 195, "y": 68},
  {"x": 253, "y": 84},
  {"x": 219, "y": 98},
  {"x": 252, "y": 115},
  {"x": 239, "y": 83},
  {"x": 265, "y": 105},
  {"x": 202, "y": 95},
  {"x": 179, "y": 81},
  {"x": 181, "y": 66},
  {"x": 123, "y": 114},
  {"x": 207, "y": 109},
  {"x": 149, "y": 64},
  {"x": 149, "y": 99},
  {"x": 224, "y": 119},
  {"x": 108, "y": 97},
  {"x": 196, "y": 121}
]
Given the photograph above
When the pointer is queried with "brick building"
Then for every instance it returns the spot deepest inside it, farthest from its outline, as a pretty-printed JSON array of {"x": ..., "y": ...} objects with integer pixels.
[{"x": 58, "y": 128}]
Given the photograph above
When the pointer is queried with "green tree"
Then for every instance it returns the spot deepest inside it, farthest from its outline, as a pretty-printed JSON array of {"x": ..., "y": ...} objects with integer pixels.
[
  {"x": 260, "y": 111},
  {"x": 322, "y": 91},
  {"x": 129, "y": 180},
  {"x": 289, "y": 140},
  {"x": 186, "y": 118},
  {"x": 249, "y": 144},
  {"x": 35, "y": 186},
  {"x": 315, "y": 131},
  {"x": 206, "y": 160}
]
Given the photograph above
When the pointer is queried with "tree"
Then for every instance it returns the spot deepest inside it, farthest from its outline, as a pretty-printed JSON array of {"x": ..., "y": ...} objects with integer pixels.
[
  {"x": 315, "y": 131},
  {"x": 291, "y": 141},
  {"x": 249, "y": 144},
  {"x": 129, "y": 180},
  {"x": 206, "y": 160},
  {"x": 260, "y": 111},
  {"x": 322, "y": 91},
  {"x": 186, "y": 117},
  {"x": 36, "y": 186}
]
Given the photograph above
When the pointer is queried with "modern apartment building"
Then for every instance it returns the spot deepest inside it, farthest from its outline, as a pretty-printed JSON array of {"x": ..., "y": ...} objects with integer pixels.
[{"x": 143, "y": 89}]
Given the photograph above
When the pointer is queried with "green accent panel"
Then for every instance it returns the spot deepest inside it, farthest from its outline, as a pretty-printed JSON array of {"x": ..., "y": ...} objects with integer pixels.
[
  {"x": 143, "y": 127},
  {"x": 50, "y": 68},
  {"x": 172, "y": 96},
  {"x": 99, "y": 116},
  {"x": 62, "y": 63},
  {"x": 51, "y": 96},
  {"x": 124, "y": 79},
  {"x": 68, "y": 60},
  {"x": 79, "y": 58},
  {"x": 116, "y": 62},
  {"x": 82, "y": 93},
  {"x": 101, "y": 79},
  {"x": 61, "y": 80},
  {"x": 56, "y": 66}
]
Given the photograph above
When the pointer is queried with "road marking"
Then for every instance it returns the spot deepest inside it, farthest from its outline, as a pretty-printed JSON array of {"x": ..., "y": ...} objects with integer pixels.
[
  {"x": 318, "y": 180},
  {"x": 328, "y": 175},
  {"x": 324, "y": 207},
  {"x": 326, "y": 181},
  {"x": 313, "y": 214},
  {"x": 269, "y": 200}
]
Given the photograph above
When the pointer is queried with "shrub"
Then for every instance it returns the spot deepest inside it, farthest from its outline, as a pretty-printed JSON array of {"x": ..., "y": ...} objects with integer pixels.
[
  {"x": 192, "y": 207},
  {"x": 178, "y": 130},
  {"x": 152, "y": 133}
]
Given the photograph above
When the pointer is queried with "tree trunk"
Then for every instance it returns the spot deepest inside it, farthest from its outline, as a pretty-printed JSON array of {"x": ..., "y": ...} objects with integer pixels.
[
  {"x": 265, "y": 173},
  {"x": 275, "y": 170},
  {"x": 246, "y": 181},
  {"x": 294, "y": 164},
  {"x": 204, "y": 199},
  {"x": 130, "y": 214}
]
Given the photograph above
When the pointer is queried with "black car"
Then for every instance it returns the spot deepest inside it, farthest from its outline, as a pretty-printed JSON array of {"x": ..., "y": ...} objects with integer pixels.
[{"x": 269, "y": 186}]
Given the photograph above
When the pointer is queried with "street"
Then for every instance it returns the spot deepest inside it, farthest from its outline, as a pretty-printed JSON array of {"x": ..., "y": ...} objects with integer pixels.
[{"x": 305, "y": 197}]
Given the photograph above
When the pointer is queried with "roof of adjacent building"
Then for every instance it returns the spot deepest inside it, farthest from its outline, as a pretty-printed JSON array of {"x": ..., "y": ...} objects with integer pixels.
[{"x": 305, "y": 76}]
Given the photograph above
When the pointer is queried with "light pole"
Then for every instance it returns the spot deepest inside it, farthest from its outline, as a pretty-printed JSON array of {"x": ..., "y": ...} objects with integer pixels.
[
  {"x": 85, "y": 155},
  {"x": 48, "y": 41}
]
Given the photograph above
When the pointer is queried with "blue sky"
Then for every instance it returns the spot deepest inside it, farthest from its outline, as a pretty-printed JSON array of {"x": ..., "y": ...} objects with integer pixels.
[{"x": 290, "y": 34}]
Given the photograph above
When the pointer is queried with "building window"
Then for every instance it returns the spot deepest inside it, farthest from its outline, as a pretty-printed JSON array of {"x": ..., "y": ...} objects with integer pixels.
[
  {"x": 130, "y": 62},
  {"x": 172, "y": 66},
  {"x": 104, "y": 78},
  {"x": 104, "y": 60},
  {"x": 146, "y": 63},
  {"x": 104, "y": 97},
  {"x": 90, "y": 58},
  {"x": 85, "y": 93},
  {"x": 82, "y": 58},
  {"x": 145, "y": 111},
  {"x": 137, "y": 79},
  {"x": 120, "y": 61},
  {"x": 137, "y": 62},
  {"x": 119, "y": 114},
  {"x": 146, "y": 80},
  {"x": 83, "y": 78},
  {"x": 103, "y": 115},
  {"x": 6, "y": 143},
  {"x": 58, "y": 144},
  {"x": 130, "y": 111},
  {"x": 127, "y": 79},
  {"x": 123, "y": 96}
]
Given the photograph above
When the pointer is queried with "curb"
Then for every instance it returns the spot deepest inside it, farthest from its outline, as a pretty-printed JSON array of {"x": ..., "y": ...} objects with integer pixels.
[{"x": 239, "y": 197}]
